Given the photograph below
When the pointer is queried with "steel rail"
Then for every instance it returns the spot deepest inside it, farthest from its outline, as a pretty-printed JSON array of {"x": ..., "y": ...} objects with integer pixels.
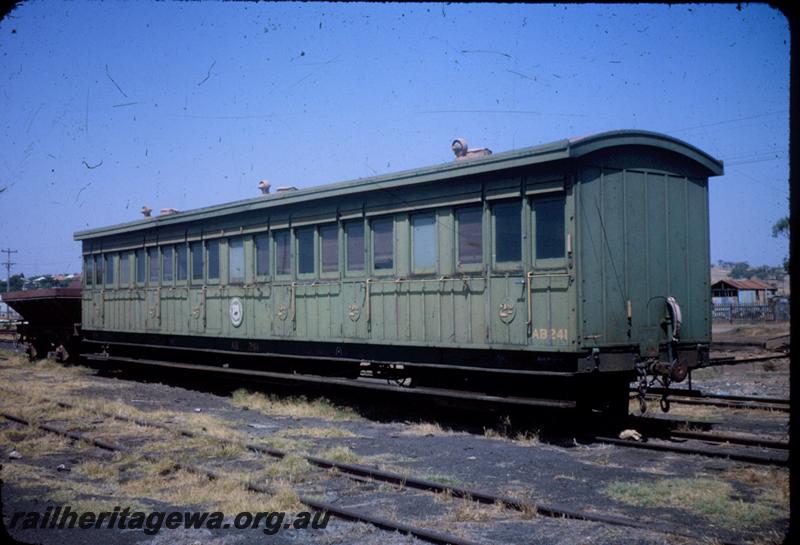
[
  {"x": 738, "y": 344},
  {"x": 336, "y": 510},
  {"x": 360, "y": 471},
  {"x": 705, "y": 395},
  {"x": 688, "y": 429},
  {"x": 714, "y": 362},
  {"x": 422, "y": 391},
  {"x": 726, "y": 404},
  {"x": 767, "y": 459},
  {"x": 732, "y": 439}
]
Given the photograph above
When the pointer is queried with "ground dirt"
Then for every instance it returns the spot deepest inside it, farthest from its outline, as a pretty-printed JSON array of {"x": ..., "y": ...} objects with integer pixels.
[{"x": 643, "y": 485}]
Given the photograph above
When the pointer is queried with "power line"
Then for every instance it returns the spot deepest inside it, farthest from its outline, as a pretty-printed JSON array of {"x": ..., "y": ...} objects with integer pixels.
[{"x": 8, "y": 264}]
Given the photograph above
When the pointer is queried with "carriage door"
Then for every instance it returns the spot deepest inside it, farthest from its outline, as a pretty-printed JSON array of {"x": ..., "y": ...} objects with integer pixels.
[{"x": 550, "y": 278}]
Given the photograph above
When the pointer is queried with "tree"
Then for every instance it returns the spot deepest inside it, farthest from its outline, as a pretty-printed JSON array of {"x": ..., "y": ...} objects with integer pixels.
[
  {"x": 740, "y": 270},
  {"x": 17, "y": 281},
  {"x": 781, "y": 229}
]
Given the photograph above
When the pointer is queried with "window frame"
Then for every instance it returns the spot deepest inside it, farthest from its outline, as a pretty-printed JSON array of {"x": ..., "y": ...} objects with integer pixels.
[
  {"x": 207, "y": 244},
  {"x": 194, "y": 246},
  {"x": 268, "y": 244},
  {"x": 548, "y": 262},
  {"x": 387, "y": 271},
  {"x": 229, "y": 243},
  {"x": 140, "y": 256},
  {"x": 176, "y": 251},
  {"x": 296, "y": 243},
  {"x": 88, "y": 271},
  {"x": 336, "y": 229},
  {"x": 124, "y": 265},
  {"x": 163, "y": 250},
  {"x": 480, "y": 264},
  {"x": 506, "y": 266},
  {"x": 109, "y": 269},
  {"x": 416, "y": 270},
  {"x": 279, "y": 273},
  {"x": 346, "y": 241},
  {"x": 149, "y": 271},
  {"x": 99, "y": 272}
]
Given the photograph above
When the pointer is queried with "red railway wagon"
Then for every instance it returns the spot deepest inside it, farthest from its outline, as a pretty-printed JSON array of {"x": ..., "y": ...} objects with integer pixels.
[{"x": 51, "y": 320}]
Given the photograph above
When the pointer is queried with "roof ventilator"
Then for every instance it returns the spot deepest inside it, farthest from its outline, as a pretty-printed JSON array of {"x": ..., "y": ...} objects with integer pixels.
[{"x": 462, "y": 151}]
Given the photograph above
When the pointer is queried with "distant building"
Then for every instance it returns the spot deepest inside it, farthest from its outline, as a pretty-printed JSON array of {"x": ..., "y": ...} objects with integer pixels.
[{"x": 732, "y": 292}]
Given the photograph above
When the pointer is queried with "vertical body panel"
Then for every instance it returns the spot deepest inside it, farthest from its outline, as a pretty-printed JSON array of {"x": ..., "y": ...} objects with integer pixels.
[
  {"x": 611, "y": 222},
  {"x": 636, "y": 247},
  {"x": 651, "y": 243},
  {"x": 214, "y": 303},
  {"x": 263, "y": 313},
  {"x": 508, "y": 310},
  {"x": 196, "y": 313},
  {"x": 697, "y": 324},
  {"x": 590, "y": 258},
  {"x": 658, "y": 247}
]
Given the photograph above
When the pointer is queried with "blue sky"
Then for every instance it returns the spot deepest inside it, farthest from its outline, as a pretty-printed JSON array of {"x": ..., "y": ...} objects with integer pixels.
[{"x": 109, "y": 106}]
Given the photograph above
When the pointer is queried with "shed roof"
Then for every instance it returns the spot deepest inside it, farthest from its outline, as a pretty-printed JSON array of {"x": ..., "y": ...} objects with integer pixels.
[
  {"x": 558, "y": 150},
  {"x": 742, "y": 284}
]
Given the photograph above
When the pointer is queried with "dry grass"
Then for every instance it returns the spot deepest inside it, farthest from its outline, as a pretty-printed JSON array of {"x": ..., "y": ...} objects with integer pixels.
[
  {"x": 446, "y": 480},
  {"x": 467, "y": 510},
  {"x": 64, "y": 488},
  {"x": 713, "y": 499},
  {"x": 342, "y": 455},
  {"x": 425, "y": 429},
  {"x": 284, "y": 443},
  {"x": 128, "y": 478},
  {"x": 317, "y": 432},
  {"x": 92, "y": 469},
  {"x": 292, "y": 468},
  {"x": 294, "y": 407},
  {"x": 504, "y": 430}
]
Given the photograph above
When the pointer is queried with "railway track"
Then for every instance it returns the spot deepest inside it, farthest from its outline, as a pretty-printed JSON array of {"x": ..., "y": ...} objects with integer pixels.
[
  {"x": 697, "y": 397},
  {"x": 689, "y": 429},
  {"x": 695, "y": 438},
  {"x": 711, "y": 445},
  {"x": 360, "y": 473},
  {"x": 731, "y": 360},
  {"x": 686, "y": 393}
]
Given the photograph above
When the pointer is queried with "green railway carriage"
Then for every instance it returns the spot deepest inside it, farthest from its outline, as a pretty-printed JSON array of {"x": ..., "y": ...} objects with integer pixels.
[{"x": 584, "y": 259}]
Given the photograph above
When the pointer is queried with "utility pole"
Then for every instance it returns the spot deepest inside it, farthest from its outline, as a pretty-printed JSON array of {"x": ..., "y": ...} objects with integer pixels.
[{"x": 8, "y": 264}]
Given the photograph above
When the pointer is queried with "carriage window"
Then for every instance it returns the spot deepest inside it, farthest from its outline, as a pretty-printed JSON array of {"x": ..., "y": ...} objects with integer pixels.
[
  {"x": 140, "y": 267},
  {"x": 124, "y": 268},
  {"x": 329, "y": 240},
  {"x": 197, "y": 260},
  {"x": 98, "y": 270},
  {"x": 283, "y": 255},
  {"x": 236, "y": 261},
  {"x": 470, "y": 235},
  {"x": 305, "y": 250},
  {"x": 212, "y": 247},
  {"x": 166, "y": 257},
  {"x": 262, "y": 254},
  {"x": 152, "y": 258},
  {"x": 108, "y": 265},
  {"x": 423, "y": 242},
  {"x": 354, "y": 233},
  {"x": 88, "y": 273},
  {"x": 549, "y": 227},
  {"x": 182, "y": 259},
  {"x": 507, "y": 232},
  {"x": 383, "y": 244}
]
